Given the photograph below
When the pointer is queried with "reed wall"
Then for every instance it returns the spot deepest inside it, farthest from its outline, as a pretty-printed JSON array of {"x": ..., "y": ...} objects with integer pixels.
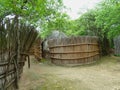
[{"x": 74, "y": 50}]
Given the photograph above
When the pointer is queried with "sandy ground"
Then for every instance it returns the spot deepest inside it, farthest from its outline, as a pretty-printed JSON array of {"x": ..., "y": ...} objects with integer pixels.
[{"x": 102, "y": 75}]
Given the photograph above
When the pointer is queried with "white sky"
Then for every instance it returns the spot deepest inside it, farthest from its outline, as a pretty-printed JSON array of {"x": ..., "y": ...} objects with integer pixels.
[{"x": 79, "y": 6}]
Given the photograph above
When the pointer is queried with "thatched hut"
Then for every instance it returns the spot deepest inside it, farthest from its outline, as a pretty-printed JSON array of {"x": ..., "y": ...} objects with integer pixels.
[{"x": 55, "y": 34}]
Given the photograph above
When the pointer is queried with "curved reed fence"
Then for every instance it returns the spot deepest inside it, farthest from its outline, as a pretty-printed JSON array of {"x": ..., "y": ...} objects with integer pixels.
[
  {"x": 74, "y": 50},
  {"x": 16, "y": 40}
]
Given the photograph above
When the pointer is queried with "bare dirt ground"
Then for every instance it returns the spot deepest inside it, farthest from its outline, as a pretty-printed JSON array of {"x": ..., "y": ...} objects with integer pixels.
[{"x": 102, "y": 75}]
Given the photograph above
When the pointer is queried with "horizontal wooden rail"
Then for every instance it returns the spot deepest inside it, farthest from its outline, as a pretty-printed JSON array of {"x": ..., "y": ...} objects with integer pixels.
[
  {"x": 6, "y": 63},
  {"x": 69, "y": 45},
  {"x": 74, "y": 58},
  {"x": 77, "y": 52},
  {"x": 9, "y": 73},
  {"x": 10, "y": 83}
]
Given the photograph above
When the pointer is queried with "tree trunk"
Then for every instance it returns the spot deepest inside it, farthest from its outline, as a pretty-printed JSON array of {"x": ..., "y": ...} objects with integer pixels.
[{"x": 105, "y": 47}]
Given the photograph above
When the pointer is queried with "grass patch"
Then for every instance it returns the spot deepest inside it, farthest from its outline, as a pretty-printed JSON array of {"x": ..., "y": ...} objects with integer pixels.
[
  {"x": 52, "y": 82},
  {"x": 33, "y": 76},
  {"x": 43, "y": 60},
  {"x": 117, "y": 55}
]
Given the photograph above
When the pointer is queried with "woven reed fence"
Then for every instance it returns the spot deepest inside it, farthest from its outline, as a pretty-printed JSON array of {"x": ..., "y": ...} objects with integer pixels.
[
  {"x": 74, "y": 50},
  {"x": 16, "y": 40},
  {"x": 117, "y": 45},
  {"x": 36, "y": 49}
]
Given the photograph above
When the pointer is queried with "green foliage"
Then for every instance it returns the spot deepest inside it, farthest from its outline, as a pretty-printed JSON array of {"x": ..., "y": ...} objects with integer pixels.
[
  {"x": 60, "y": 22},
  {"x": 87, "y": 23},
  {"x": 30, "y": 9},
  {"x": 102, "y": 21},
  {"x": 108, "y": 17},
  {"x": 35, "y": 12},
  {"x": 117, "y": 55}
]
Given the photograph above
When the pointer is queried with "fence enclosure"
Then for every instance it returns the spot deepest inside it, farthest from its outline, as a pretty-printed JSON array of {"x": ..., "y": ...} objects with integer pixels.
[
  {"x": 74, "y": 50},
  {"x": 16, "y": 40}
]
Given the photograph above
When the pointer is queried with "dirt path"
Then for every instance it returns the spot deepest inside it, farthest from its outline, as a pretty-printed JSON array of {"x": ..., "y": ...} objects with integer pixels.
[{"x": 103, "y": 75}]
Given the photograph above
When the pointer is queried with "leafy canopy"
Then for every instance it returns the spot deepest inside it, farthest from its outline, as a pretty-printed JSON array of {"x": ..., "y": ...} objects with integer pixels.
[{"x": 31, "y": 10}]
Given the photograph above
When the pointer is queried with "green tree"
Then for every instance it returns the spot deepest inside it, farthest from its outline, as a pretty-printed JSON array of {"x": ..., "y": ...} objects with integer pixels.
[
  {"x": 108, "y": 17},
  {"x": 60, "y": 22},
  {"x": 102, "y": 21},
  {"x": 35, "y": 12}
]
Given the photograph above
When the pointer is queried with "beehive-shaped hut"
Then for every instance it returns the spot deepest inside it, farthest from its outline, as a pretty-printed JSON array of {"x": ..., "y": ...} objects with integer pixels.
[
  {"x": 74, "y": 50},
  {"x": 55, "y": 34}
]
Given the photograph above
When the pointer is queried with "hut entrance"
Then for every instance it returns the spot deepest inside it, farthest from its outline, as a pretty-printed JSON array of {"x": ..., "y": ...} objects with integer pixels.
[{"x": 16, "y": 40}]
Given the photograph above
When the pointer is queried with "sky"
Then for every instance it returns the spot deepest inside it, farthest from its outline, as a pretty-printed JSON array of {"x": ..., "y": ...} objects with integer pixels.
[{"x": 79, "y": 6}]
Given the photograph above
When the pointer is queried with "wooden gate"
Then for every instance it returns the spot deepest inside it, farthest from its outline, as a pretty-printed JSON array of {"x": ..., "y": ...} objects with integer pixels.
[
  {"x": 74, "y": 50},
  {"x": 15, "y": 41}
]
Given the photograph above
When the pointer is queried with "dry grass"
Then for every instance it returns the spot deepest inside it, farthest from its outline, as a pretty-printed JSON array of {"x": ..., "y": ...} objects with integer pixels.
[{"x": 102, "y": 75}]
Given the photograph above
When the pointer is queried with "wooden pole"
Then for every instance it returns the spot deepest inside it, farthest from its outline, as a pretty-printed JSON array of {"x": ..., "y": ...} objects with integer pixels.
[{"x": 17, "y": 50}]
